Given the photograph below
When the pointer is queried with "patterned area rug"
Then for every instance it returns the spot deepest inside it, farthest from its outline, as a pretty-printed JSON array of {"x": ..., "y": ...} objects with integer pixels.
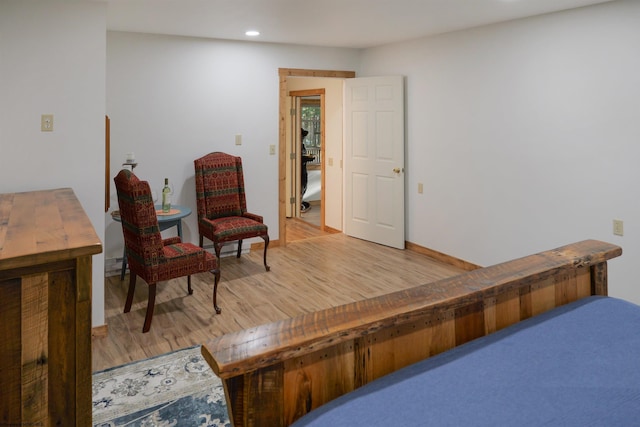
[{"x": 173, "y": 389}]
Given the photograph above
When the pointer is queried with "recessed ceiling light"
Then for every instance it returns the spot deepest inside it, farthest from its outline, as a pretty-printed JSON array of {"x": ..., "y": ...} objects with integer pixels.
[{"x": 252, "y": 33}]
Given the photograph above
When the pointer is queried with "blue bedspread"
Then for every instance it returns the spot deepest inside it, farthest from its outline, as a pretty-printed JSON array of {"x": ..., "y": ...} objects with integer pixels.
[{"x": 577, "y": 365}]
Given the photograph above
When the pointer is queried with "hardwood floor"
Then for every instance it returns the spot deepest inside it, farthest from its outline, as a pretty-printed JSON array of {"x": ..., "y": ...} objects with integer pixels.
[
  {"x": 320, "y": 271},
  {"x": 299, "y": 229},
  {"x": 312, "y": 216}
]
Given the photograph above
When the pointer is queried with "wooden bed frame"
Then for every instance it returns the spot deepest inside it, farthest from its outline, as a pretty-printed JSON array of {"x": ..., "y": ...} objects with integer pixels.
[{"x": 275, "y": 373}]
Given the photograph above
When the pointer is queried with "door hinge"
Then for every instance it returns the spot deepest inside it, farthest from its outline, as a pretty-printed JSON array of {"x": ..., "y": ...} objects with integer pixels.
[
  {"x": 292, "y": 200},
  {"x": 292, "y": 156},
  {"x": 292, "y": 112}
]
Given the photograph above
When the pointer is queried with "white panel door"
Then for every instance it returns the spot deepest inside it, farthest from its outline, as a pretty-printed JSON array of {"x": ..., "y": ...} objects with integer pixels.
[{"x": 374, "y": 159}]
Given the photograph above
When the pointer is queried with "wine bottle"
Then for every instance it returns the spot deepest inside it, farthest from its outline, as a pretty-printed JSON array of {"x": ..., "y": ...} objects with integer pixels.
[{"x": 166, "y": 196}]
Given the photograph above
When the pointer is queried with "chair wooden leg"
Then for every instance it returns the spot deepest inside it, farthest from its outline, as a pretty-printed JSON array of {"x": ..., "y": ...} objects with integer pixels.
[
  {"x": 218, "y": 248},
  {"x": 150, "y": 306},
  {"x": 266, "y": 245},
  {"x": 239, "y": 248},
  {"x": 201, "y": 241},
  {"x": 216, "y": 274},
  {"x": 190, "y": 290},
  {"x": 132, "y": 288}
]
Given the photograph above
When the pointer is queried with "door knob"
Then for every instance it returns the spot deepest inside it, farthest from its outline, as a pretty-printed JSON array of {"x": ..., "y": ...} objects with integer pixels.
[{"x": 397, "y": 170}]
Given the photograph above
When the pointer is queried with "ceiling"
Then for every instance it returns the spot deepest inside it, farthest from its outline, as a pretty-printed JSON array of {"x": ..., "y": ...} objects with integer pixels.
[{"x": 333, "y": 23}]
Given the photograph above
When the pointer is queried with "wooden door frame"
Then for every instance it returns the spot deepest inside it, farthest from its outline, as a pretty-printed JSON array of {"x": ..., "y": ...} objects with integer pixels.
[{"x": 283, "y": 74}]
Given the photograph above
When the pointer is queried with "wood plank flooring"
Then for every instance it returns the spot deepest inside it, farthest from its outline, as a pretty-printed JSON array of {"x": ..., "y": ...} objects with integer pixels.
[
  {"x": 312, "y": 216},
  {"x": 300, "y": 229},
  {"x": 320, "y": 271}
]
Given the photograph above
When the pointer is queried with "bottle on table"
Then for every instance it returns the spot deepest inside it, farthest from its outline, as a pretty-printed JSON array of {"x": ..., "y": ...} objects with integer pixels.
[{"x": 166, "y": 196}]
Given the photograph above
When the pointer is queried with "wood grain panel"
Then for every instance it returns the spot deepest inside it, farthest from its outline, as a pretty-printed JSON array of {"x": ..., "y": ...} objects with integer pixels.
[
  {"x": 40, "y": 227},
  {"x": 407, "y": 343},
  {"x": 470, "y": 322},
  {"x": 62, "y": 349},
  {"x": 583, "y": 283},
  {"x": 315, "y": 378},
  {"x": 264, "y": 395},
  {"x": 507, "y": 309},
  {"x": 45, "y": 292},
  {"x": 456, "y": 310},
  {"x": 234, "y": 388},
  {"x": 543, "y": 296},
  {"x": 35, "y": 348},
  {"x": 599, "y": 279},
  {"x": 443, "y": 335},
  {"x": 10, "y": 356},
  {"x": 83, "y": 379},
  {"x": 490, "y": 308}
]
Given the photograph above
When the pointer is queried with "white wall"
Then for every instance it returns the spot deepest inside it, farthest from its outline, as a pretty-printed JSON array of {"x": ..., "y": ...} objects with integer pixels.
[
  {"x": 525, "y": 135},
  {"x": 174, "y": 99},
  {"x": 52, "y": 61}
]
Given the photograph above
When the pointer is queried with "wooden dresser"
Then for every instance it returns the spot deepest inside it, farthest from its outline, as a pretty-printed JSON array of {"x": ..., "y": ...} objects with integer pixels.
[{"x": 46, "y": 248}]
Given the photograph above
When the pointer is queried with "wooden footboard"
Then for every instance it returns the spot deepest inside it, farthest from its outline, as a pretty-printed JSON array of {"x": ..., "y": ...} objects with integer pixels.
[{"x": 275, "y": 373}]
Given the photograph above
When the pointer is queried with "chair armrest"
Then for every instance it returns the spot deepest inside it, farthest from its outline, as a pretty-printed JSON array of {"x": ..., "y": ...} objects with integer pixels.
[
  {"x": 171, "y": 241},
  {"x": 253, "y": 216}
]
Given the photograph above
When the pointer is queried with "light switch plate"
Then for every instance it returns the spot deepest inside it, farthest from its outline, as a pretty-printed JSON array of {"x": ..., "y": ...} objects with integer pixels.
[
  {"x": 618, "y": 227},
  {"x": 46, "y": 123}
]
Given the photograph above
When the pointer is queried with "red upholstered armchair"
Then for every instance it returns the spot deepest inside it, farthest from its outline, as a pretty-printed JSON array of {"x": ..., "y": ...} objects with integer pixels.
[
  {"x": 149, "y": 256},
  {"x": 222, "y": 206}
]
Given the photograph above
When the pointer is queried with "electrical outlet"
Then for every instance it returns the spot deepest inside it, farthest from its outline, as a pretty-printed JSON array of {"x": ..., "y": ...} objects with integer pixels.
[
  {"x": 238, "y": 139},
  {"x": 272, "y": 149},
  {"x": 618, "y": 227}
]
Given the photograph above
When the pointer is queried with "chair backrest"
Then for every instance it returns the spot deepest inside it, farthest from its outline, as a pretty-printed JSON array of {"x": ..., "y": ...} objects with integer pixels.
[
  {"x": 219, "y": 186},
  {"x": 142, "y": 237}
]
